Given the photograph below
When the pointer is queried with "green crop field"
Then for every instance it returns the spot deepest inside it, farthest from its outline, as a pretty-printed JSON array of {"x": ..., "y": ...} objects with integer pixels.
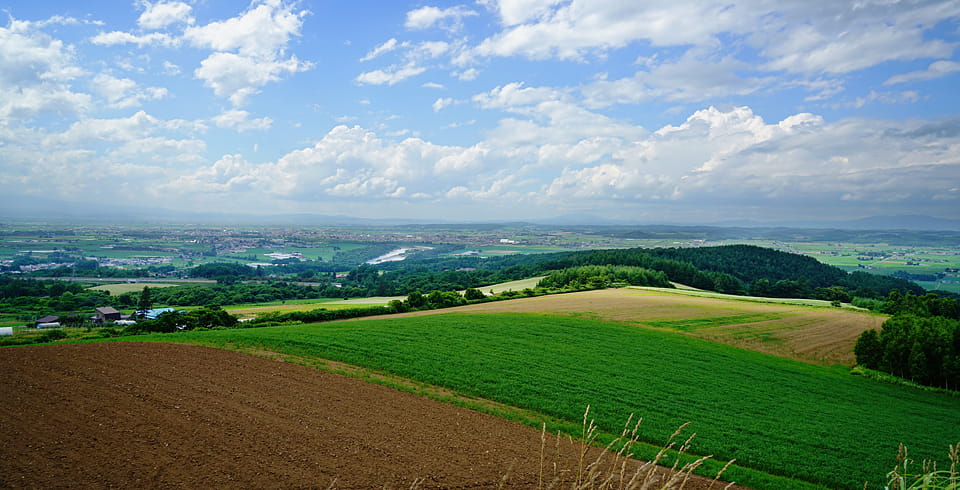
[{"x": 781, "y": 417}]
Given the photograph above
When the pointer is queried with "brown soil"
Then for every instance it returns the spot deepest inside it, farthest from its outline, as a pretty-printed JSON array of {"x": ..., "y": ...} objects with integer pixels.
[{"x": 165, "y": 415}]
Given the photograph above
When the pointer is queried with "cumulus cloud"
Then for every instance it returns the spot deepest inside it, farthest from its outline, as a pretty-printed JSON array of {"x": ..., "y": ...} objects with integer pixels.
[
  {"x": 250, "y": 50},
  {"x": 800, "y": 158},
  {"x": 162, "y": 14},
  {"x": 715, "y": 158},
  {"x": 263, "y": 31},
  {"x": 238, "y": 77},
  {"x": 114, "y": 156},
  {"x": 36, "y": 74}
]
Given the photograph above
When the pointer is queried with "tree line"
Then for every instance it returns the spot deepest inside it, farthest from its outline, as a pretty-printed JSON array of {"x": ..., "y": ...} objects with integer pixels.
[{"x": 921, "y": 342}]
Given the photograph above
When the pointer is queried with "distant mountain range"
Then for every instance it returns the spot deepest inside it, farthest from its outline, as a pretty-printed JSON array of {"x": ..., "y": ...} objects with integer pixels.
[
  {"x": 902, "y": 222},
  {"x": 30, "y": 208}
]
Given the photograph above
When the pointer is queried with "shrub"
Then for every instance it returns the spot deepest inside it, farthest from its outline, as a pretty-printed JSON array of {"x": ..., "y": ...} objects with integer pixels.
[{"x": 51, "y": 336}]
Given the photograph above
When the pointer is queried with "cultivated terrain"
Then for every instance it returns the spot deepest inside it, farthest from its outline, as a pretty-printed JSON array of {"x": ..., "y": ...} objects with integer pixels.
[{"x": 135, "y": 415}]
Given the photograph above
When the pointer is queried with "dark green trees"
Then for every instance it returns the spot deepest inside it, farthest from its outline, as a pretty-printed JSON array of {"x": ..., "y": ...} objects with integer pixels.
[
  {"x": 925, "y": 350},
  {"x": 145, "y": 303}
]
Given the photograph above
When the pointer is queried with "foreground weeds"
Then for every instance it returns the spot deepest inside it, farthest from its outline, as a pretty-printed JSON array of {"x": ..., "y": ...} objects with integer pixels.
[
  {"x": 904, "y": 477},
  {"x": 614, "y": 467}
]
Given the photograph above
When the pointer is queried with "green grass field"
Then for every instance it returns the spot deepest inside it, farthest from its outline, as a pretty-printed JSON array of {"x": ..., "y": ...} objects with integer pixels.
[{"x": 778, "y": 416}]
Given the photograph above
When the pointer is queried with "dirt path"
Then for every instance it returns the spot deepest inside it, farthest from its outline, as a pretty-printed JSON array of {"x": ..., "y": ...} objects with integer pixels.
[{"x": 165, "y": 415}]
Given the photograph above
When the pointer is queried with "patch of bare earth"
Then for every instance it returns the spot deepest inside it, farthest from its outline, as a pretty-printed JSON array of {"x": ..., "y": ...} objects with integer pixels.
[
  {"x": 810, "y": 334},
  {"x": 169, "y": 415}
]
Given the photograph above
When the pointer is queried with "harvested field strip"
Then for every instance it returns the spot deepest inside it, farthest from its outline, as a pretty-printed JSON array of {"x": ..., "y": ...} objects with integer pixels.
[
  {"x": 694, "y": 324},
  {"x": 253, "y": 311},
  {"x": 779, "y": 416},
  {"x": 118, "y": 289},
  {"x": 822, "y": 335}
]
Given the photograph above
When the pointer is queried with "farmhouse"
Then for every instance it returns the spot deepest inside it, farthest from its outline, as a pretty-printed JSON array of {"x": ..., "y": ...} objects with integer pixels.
[{"x": 106, "y": 313}]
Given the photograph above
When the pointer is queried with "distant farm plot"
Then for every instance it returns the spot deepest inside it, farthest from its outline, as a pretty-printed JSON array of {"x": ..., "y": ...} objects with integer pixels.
[
  {"x": 823, "y": 335},
  {"x": 251, "y": 311},
  {"x": 120, "y": 288},
  {"x": 512, "y": 285},
  {"x": 775, "y": 415}
]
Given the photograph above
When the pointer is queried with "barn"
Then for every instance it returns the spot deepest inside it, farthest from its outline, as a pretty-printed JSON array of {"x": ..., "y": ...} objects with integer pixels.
[{"x": 106, "y": 313}]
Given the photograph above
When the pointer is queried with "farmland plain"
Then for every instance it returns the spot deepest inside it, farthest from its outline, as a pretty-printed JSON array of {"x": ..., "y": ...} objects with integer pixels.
[{"x": 782, "y": 417}]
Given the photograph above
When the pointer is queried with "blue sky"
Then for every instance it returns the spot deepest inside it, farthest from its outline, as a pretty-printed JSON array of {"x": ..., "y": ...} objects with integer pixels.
[{"x": 655, "y": 111}]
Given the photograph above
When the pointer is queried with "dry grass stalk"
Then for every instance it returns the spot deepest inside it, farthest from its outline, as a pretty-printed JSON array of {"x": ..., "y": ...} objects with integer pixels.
[
  {"x": 608, "y": 471},
  {"x": 929, "y": 477}
]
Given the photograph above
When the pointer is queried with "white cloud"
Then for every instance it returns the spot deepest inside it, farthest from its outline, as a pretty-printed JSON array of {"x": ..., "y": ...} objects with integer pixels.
[
  {"x": 124, "y": 93},
  {"x": 805, "y": 49},
  {"x": 238, "y": 77},
  {"x": 387, "y": 46},
  {"x": 260, "y": 37},
  {"x": 442, "y": 103},
  {"x": 715, "y": 156},
  {"x": 114, "y": 38},
  {"x": 390, "y": 76},
  {"x": 693, "y": 77},
  {"x": 231, "y": 173},
  {"x": 905, "y": 97},
  {"x": 467, "y": 75},
  {"x": 114, "y": 156},
  {"x": 170, "y": 68},
  {"x": 793, "y": 36},
  {"x": 571, "y": 30},
  {"x": 240, "y": 120},
  {"x": 937, "y": 69},
  {"x": 449, "y": 18},
  {"x": 161, "y": 14},
  {"x": 513, "y": 96},
  {"x": 513, "y": 12},
  {"x": 262, "y": 32},
  {"x": 36, "y": 72}
]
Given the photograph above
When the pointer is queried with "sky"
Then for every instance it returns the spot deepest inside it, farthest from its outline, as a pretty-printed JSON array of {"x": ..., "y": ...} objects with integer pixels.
[{"x": 661, "y": 111}]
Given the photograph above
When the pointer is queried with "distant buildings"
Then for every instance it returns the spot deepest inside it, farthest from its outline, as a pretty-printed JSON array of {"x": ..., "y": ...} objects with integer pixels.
[{"x": 106, "y": 313}]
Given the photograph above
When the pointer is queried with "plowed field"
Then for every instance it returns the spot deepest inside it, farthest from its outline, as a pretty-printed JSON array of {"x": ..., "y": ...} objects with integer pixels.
[{"x": 164, "y": 415}]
